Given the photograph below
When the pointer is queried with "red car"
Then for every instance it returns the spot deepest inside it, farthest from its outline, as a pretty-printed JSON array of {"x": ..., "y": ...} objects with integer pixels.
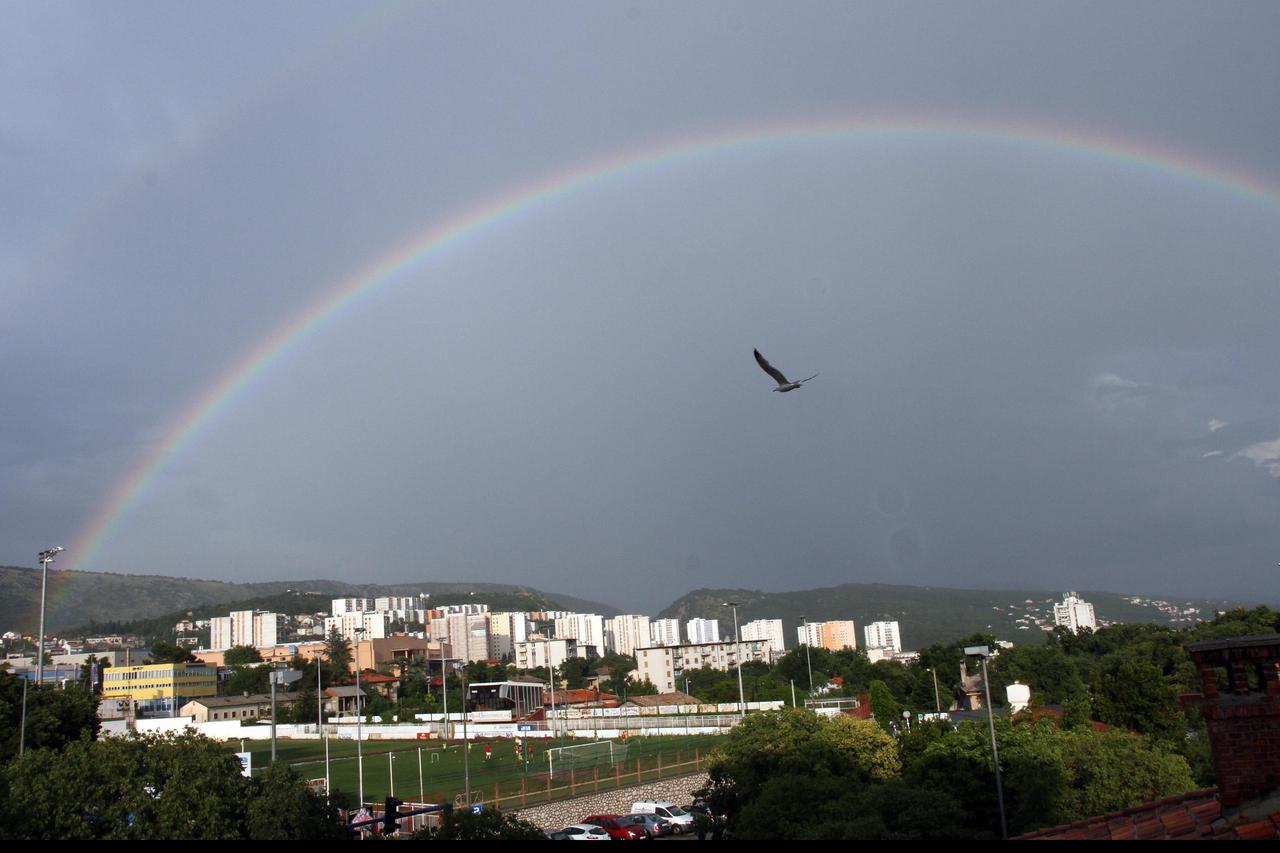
[{"x": 618, "y": 832}]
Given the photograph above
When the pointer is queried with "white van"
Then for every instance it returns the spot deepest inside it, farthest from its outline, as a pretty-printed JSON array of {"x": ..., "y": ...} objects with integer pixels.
[{"x": 680, "y": 819}]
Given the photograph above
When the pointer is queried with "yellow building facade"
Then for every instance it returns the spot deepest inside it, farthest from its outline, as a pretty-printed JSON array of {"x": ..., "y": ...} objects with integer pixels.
[{"x": 153, "y": 688}]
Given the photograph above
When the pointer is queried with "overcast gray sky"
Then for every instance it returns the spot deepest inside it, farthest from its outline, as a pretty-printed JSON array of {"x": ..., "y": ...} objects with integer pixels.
[{"x": 1041, "y": 366}]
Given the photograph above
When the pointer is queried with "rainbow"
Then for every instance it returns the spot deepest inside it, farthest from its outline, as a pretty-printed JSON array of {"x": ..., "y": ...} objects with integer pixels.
[{"x": 472, "y": 221}]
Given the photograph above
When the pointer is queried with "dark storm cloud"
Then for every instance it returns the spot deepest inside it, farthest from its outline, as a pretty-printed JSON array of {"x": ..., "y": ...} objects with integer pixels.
[{"x": 1038, "y": 368}]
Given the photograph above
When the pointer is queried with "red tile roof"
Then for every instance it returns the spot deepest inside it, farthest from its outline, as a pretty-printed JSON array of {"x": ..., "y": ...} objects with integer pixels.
[{"x": 1197, "y": 814}]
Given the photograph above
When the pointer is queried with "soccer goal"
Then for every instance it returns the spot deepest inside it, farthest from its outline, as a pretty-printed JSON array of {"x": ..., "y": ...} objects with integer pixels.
[{"x": 600, "y": 753}]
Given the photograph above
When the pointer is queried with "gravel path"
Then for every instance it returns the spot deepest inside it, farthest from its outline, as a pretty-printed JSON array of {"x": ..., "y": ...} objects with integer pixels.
[{"x": 565, "y": 812}]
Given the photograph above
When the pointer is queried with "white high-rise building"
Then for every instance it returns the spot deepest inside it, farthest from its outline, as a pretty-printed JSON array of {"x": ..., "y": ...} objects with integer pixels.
[
  {"x": 700, "y": 631},
  {"x": 586, "y": 629},
  {"x": 535, "y": 652},
  {"x": 375, "y": 625},
  {"x": 1074, "y": 613},
  {"x": 628, "y": 633},
  {"x": 343, "y": 606},
  {"x": 246, "y": 628},
  {"x": 833, "y": 636},
  {"x": 769, "y": 630},
  {"x": 505, "y": 630},
  {"x": 664, "y": 666},
  {"x": 665, "y": 632},
  {"x": 882, "y": 635}
]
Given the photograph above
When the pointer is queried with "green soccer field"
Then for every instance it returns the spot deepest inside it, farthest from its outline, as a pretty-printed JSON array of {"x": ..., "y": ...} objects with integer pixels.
[{"x": 443, "y": 770}]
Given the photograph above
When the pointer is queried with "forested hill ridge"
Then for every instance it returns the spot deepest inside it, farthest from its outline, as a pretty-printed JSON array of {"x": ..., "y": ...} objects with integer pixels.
[
  {"x": 82, "y": 598},
  {"x": 928, "y": 615}
]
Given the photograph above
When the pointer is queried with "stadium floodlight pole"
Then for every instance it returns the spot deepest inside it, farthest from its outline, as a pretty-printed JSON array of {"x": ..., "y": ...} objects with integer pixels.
[
  {"x": 737, "y": 641},
  {"x": 807, "y": 662},
  {"x": 320, "y": 724},
  {"x": 46, "y": 557},
  {"x": 466, "y": 737},
  {"x": 359, "y": 717},
  {"x": 937, "y": 699},
  {"x": 984, "y": 652}
]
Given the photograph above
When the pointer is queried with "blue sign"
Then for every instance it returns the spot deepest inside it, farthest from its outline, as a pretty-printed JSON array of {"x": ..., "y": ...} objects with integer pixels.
[
  {"x": 524, "y": 727},
  {"x": 477, "y": 808}
]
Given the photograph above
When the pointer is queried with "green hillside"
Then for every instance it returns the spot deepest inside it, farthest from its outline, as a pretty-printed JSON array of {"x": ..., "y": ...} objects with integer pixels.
[
  {"x": 80, "y": 599},
  {"x": 928, "y": 615}
]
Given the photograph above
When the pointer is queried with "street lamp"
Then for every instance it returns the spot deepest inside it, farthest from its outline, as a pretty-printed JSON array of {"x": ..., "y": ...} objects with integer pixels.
[
  {"x": 46, "y": 557},
  {"x": 984, "y": 652},
  {"x": 737, "y": 639},
  {"x": 359, "y": 717},
  {"x": 807, "y": 662},
  {"x": 937, "y": 700}
]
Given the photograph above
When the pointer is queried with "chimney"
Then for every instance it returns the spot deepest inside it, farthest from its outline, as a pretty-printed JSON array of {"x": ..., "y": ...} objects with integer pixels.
[{"x": 1240, "y": 680}]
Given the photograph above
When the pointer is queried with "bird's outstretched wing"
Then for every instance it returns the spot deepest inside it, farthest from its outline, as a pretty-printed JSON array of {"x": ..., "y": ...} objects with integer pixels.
[
  {"x": 769, "y": 368},
  {"x": 814, "y": 376}
]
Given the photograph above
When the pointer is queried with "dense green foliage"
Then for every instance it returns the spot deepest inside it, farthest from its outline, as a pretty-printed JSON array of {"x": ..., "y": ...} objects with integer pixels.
[
  {"x": 156, "y": 787},
  {"x": 54, "y": 717},
  {"x": 794, "y": 775}
]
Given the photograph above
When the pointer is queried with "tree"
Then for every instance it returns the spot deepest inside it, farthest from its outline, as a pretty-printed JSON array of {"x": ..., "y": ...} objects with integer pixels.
[
  {"x": 55, "y": 717},
  {"x": 163, "y": 652},
  {"x": 155, "y": 788},
  {"x": 241, "y": 655},
  {"x": 884, "y": 707},
  {"x": 338, "y": 652}
]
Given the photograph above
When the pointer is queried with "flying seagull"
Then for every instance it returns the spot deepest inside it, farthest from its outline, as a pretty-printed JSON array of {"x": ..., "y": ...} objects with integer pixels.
[{"x": 784, "y": 384}]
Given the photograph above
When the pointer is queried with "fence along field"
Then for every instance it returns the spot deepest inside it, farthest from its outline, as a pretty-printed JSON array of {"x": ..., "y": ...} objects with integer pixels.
[{"x": 392, "y": 768}]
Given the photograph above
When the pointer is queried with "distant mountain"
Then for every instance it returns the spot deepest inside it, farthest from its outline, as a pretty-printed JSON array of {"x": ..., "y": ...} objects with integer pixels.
[
  {"x": 928, "y": 615},
  {"x": 76, "y": 599}
]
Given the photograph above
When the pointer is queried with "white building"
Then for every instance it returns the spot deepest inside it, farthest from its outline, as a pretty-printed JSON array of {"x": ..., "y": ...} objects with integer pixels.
[
  {"x": 768, "y": 630},
  {"x": 665, "y": 632},
  {"x": 246, "y": 628},
  {"x": 466, "y": 633},
  {"x": 628, "y": 633},
  {"x": 701, "y": 631},
  {"x": 664, "y": 666},
  {"x": 505, "y": 630},
  {"x": 587, "y": 629},
  {"x": 374, "y": 624},
  {"x": 833, "y": 636},
  {"x": 343, "y": 606},
  {"x": 1074, "y": 613},
  {"x": 882, "y": 635},
  {"x": 536, "y": 652}
]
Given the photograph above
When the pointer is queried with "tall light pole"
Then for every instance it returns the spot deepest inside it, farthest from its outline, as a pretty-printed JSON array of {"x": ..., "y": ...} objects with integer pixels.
[
  {"x": 320, "y": 724},
  {"x": 359, "y": 717},
  {"x": 46, "y": 557},
  {"x": 737, "y": 640},
  {"x": 937, "y": 700},
  {"x": 984, "y": 652},
  {"x": 807, "y": 662}
]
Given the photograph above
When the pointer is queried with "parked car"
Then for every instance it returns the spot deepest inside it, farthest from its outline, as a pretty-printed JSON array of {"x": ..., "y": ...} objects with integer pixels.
[
  {"x": 655, "y": 826},
  {"x": 612, "y": 824},
  {"x": 679, "y": 819},
  {"x": 579, "y": 832}
]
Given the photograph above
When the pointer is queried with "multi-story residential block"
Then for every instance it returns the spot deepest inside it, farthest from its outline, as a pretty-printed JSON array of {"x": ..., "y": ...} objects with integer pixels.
[
  {"x": 537, "y": 652},
  {"x": 587, "y": 629},
  {"x": 375, "y": 625},
  {"x": 769, "y": 630},
  {"x": 343, "y": 606},
  {"x": 159, "y": 688},
  {"x": 628, "y": 633},
  {"x": 505, "y": 630},
  {"x": 664, "y": 632},
  {"x": 1074, "y": 613},
  {"x": 664, "y": 666},
  {"x": 466, "y": 633},
  {"x": 832, "y": 636},
  {"x": 882, "y": 635},
  {"x": 701, "y": 631},
  {"x": 246, "y": 628}
]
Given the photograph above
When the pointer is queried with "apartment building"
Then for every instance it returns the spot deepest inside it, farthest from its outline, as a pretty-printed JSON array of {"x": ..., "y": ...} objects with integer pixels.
[
  {"x": 246, "y": 628},
  {"x": 375, "y": 625},
  {"x": 1074, "y": 613},
  {"x": 343, "y": 606},
  {"x": 882, "y": 635},
  {"x": 586, "y": 629},
  {"x": 701, "y": 631},
  {"x": 627, "y": 633},
  {"x": 537, "y": 652},
  {"x": 466, "y": 633},
  {"x": 664, "y": 632},
  {"x": 832, "y": 636},
  {"x": 664, "y": 666},
  {"x": 769, "y": 630},
  {"x": 505, "y": 630}
]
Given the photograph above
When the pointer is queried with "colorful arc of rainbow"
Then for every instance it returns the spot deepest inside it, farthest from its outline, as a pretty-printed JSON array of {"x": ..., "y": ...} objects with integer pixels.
[{"x": 202, "y": 410}]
